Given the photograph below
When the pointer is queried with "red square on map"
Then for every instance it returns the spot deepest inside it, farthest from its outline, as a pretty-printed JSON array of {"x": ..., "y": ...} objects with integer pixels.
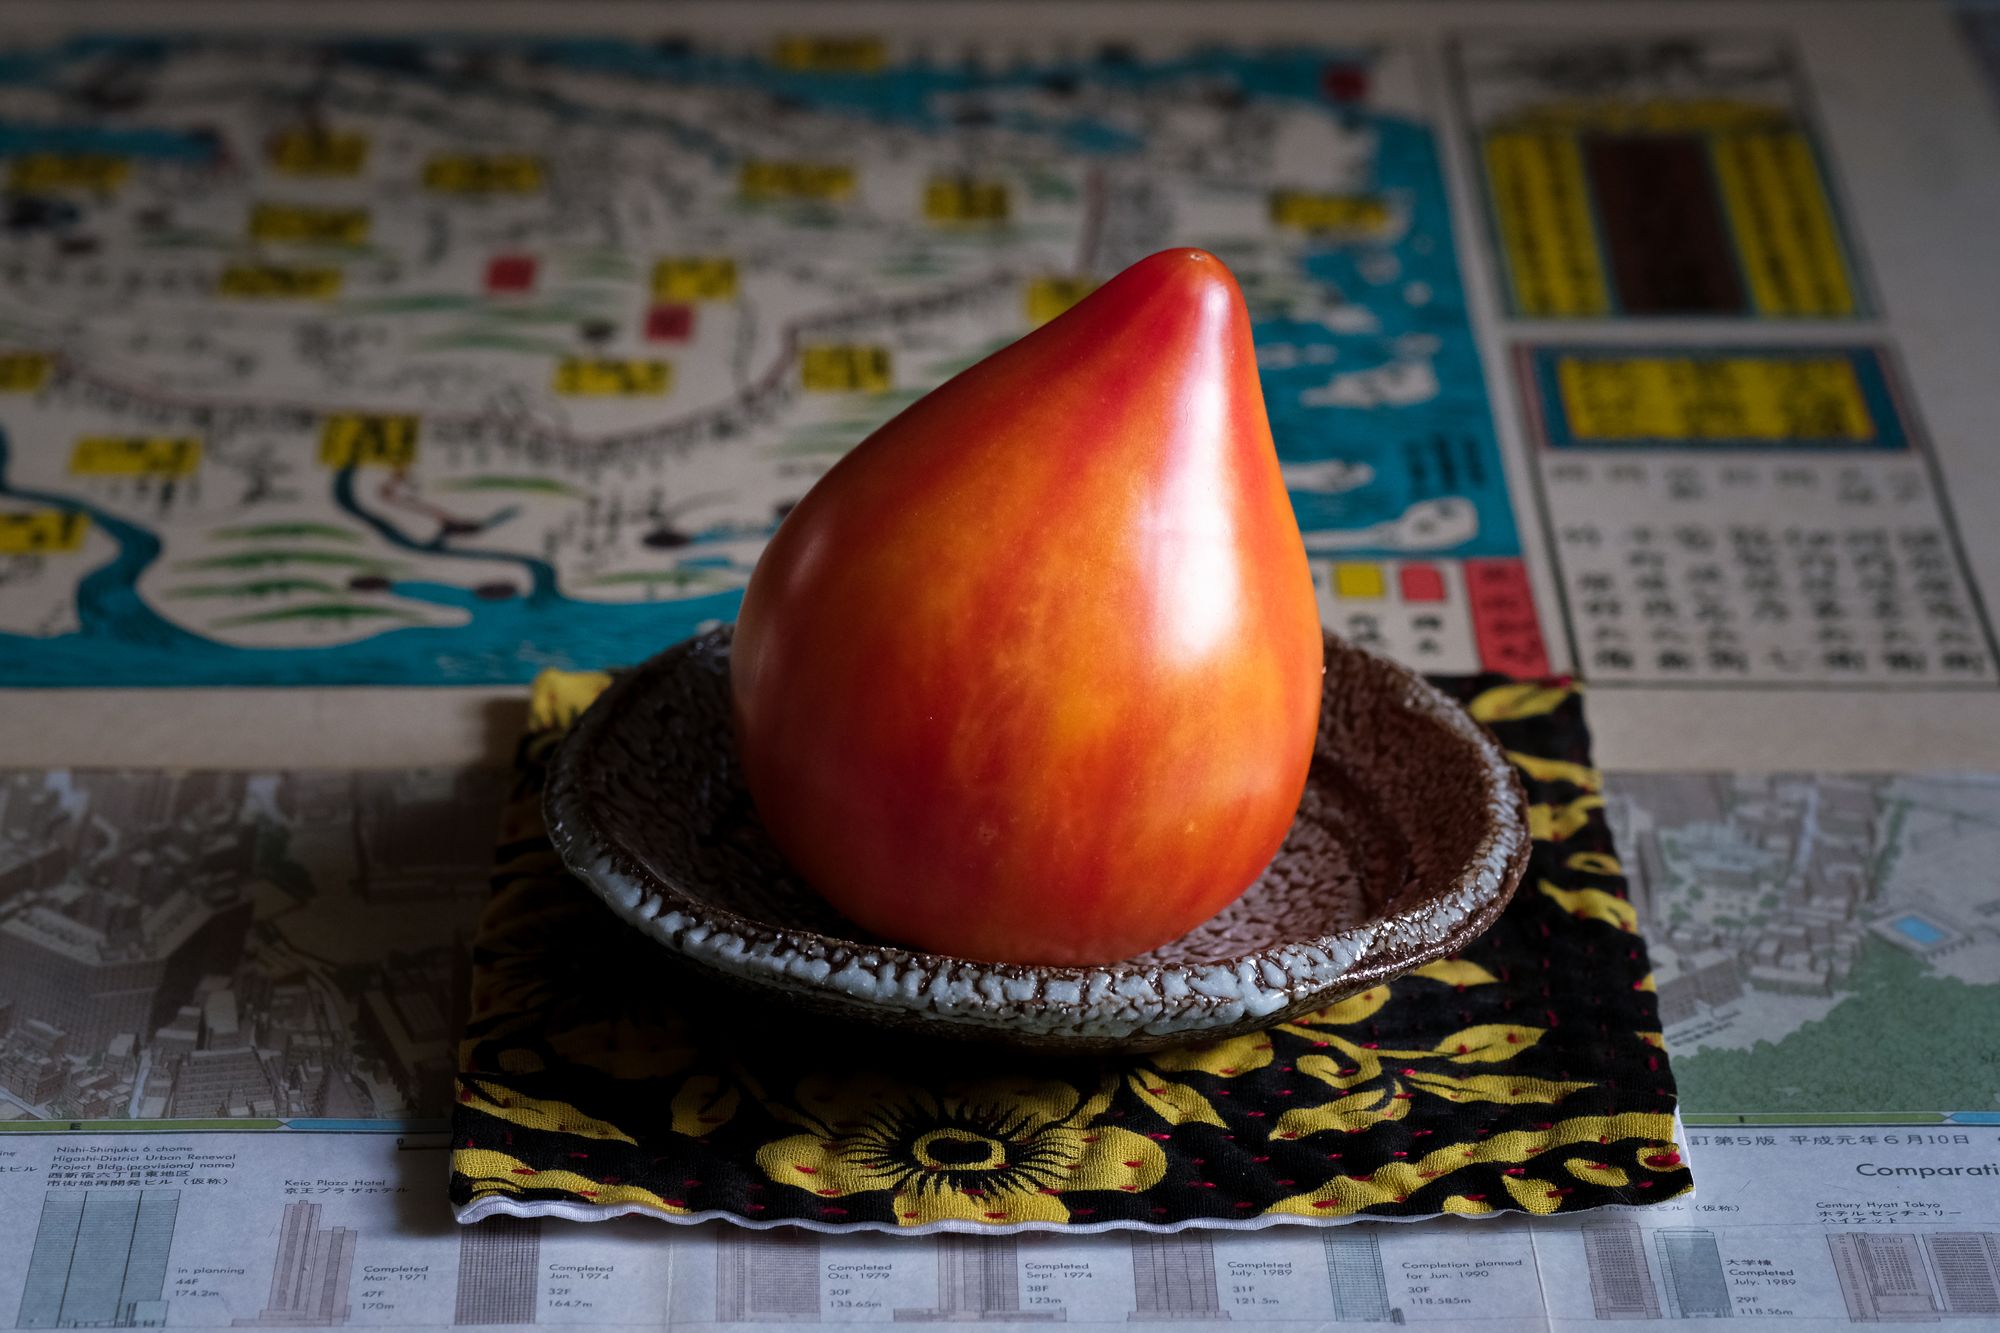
[
  {"x": 670, "y": 323},
  {"x": 1422, "y": 583},
  {"x": 1504, "y": 627},
  {"x": 1344, "y": 83},
  {"x": 510, "y": 273}
]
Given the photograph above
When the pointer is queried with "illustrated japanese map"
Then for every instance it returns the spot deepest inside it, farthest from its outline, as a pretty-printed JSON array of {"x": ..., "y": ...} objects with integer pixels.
[{"x": 441, "y": 361}]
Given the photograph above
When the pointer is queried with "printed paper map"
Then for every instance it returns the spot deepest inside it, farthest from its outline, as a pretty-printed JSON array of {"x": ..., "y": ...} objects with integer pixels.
[
  {"x": 258, "y": 949},
  {"x": 280, "y": 948},
  {"x": 440, "y": 361},
  {"x": 1826, "y": 947}
]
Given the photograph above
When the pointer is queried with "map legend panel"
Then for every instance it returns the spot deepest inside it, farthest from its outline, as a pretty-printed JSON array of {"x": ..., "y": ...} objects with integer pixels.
[
  {"x": 1748, "y": 516},
  {"x": 1687, "y": 182},
  {"x": 1437, "y": 615}
]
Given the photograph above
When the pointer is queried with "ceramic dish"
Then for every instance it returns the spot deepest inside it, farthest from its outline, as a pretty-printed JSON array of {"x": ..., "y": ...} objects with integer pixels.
[{"x": 1409, "y": 840}]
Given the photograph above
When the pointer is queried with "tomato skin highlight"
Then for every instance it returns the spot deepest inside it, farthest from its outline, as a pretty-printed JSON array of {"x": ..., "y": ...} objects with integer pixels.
[{"x": 1033, "y": 673}]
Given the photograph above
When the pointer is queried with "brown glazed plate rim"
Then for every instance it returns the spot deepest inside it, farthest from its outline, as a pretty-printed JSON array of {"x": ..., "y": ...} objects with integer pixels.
[{"x": 1135, "y": 1005}]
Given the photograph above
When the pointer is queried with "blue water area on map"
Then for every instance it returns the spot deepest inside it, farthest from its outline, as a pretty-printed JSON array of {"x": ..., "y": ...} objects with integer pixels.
[
  {"x": 1918, "y": 929},
  {"x": 120, "y": 641},
  {"x": 1443, "y": 445},
  {"x": 136, "y": 141}
]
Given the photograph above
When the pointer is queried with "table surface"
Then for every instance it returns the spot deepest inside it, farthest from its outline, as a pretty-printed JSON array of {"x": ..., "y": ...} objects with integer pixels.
[{"x": 343, "y": 384}]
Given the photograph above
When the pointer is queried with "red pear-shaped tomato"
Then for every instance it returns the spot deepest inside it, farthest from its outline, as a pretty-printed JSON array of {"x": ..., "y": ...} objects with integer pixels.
[{"x": 1032, "y": 675}]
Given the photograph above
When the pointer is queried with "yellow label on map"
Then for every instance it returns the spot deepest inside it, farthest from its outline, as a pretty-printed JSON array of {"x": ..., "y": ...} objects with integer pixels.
[
  {"x": 24, "y": 372},
  {"x": 68, "y": 171},
  {"x": 796, "y": 180},
  {"x": 613, "y": 378},
  {"x": 319, "y": 153},
  {"x": 304, "y": 222},
  {"x": 1783, "y": 225},
  {"x": 955, "y": 200},
  {"x": 1050, "y": 296},
  {"x": 1359, "y": 581},
  {"x": 503, "y": 173},
  {"x": 1365, "y": 214},
  {"x": 695, "y": 278},
  {"x": 830, "y": 55},
  {"x": 1747, "y": 397},
  {"x": 1654, "y": 115},
  {"x": 135, "y": 456},
  {"x": 1541, "y": 208},
  {"x": 359, "y": 440},
  {"x": 41, "y": 530},
  {"x": 279, "y": 282},
  {"x": 842, "y": 368}
]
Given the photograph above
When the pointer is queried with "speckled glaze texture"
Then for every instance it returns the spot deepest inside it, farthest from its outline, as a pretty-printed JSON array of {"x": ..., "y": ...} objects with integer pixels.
[{"x": 1410, "y": 838}]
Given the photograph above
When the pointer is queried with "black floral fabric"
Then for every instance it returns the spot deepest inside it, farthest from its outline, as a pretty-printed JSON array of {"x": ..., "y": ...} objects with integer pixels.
[{"x": 1526, "y": 1074}]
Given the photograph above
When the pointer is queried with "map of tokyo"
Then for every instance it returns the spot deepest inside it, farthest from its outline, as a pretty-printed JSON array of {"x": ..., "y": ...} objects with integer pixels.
[{"x": 440, "y": 361}]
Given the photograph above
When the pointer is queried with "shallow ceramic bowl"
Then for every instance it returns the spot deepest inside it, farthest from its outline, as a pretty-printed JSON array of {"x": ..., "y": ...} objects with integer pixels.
[{"x": 1409, "y": 840}]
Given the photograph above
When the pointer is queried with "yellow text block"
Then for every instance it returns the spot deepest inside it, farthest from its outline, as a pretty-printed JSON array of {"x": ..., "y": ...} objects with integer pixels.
[
  {"x": 765, "y": 180},
  {"x": 828, "y": 54},
  {"x": 39, "y": 531},
  {"x": 135, "y": 456},
  {"x": 471, "y": 173},
  {"x": 309, "y": 224},
  {"x": 319, "y": 153},
  {"x": 1784, "y": 229},
  {"x": 1750, "y": 397},
  {"x": 1048, "y": 297},
  {"x": 606, "y": 378},
  {"x": 1618, "y": 114},
  {"x": 1541, "y": 209},
  {"x": 1359, "y": 581},
  {"x": 954, "y": 201},
  {"x": 353, "y": 439},
  {"x": 279, "y": 282},
  {"x": 1365, "y": 214},
  {"x": 845, "y": 368},
  {"x": 24, "y": 372},
  {"x": 68, "y": 171},
  {"x": 695, "y": 278}
]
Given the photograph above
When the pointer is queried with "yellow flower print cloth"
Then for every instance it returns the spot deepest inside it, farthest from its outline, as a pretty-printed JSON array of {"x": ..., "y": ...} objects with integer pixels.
[{"x": 1527, "y": 1074}]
